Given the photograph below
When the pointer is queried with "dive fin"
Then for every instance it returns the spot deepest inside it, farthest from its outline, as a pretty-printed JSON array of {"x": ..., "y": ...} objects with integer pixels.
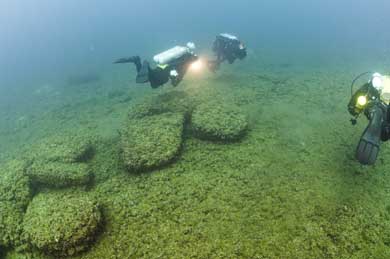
[{"x": 368, "y": 147}]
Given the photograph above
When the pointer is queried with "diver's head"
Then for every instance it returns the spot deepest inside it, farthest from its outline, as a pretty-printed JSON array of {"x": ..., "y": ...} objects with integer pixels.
[
  {"x": 241, "y": 52},
  {"x": 377, "y": 81},
  {"x": 191, "y": 46}
]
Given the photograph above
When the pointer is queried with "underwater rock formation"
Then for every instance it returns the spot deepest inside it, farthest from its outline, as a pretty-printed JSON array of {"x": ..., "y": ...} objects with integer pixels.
[
  {"x": 173, "y": 101},
  {"x": 59, "y": 175},
  {"x": 152, "y": 141},
  {"x": 58, "y": 161},
  {"x": 218, "y": 121},
  {"x": 66, "y": 148},
  {"x": 11, "y": 217},
  {"x": 61, "y": 224},
  {"x": 15, "y": 194}
]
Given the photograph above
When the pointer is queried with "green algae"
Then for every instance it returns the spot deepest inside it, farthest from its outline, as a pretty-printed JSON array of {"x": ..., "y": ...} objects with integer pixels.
[
  {"x": 65, "y": 147},
  {"x": 14, "y": 183},
  {"x": 152, "y": 141},
  {"x": 175, "y": 101},
  {"x": 61, "y": 223},
  {"x": 59, "y": 175},
  {"x": 15, "y": 194}
]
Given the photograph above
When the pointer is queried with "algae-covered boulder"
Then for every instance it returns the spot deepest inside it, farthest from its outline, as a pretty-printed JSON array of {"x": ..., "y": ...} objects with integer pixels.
[
  {"x": 152, "y": 141},
  {"x": 60, "y": 223},
  {"x": 57, "y": 174},
  {"x": 15, "y": 194},
  {"x": 66, "y": 148},
  {"x": 11, "y": 217},
  {"x": 218, "y": 121},
  {"x": 172, "y": 101},
  {"x": 14, "y": 183}
]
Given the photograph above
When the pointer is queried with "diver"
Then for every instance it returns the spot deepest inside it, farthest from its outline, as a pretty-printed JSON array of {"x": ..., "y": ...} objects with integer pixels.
[
  {"x": 226, "y": 47},
  {"x": 372, "y": 99},
  {"x": 170, "y": 65}
]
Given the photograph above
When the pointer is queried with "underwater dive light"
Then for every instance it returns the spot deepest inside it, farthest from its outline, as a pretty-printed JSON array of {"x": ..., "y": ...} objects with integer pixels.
[
  {"x": 197, "y": 65},
  {"x": 362, "y": 100},
  {"x": 377, "y": 81}
]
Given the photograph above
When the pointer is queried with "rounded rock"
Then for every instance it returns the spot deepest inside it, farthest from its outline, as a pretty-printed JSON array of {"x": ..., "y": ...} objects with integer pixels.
[
  {"x": 219, "y": 121},
  {"x": 151, "y": 142},
  {"x": 61, "y": 224}
]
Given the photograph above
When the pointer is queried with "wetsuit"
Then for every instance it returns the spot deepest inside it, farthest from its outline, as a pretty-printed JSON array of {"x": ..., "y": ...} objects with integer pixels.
[{"x": 161, "y": 74}]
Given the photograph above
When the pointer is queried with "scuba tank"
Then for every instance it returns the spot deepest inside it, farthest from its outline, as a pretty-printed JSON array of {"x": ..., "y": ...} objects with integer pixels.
[
  {"x": 228, "y": 36},
  {"x": 174, "y": 53}
]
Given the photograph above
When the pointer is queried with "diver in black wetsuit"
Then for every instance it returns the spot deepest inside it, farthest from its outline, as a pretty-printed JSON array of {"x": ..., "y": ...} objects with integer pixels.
[
  {"x": 372, "y": 99},
  {"x": 171, "y": 65},
  {"x": 226, "y": 47}
]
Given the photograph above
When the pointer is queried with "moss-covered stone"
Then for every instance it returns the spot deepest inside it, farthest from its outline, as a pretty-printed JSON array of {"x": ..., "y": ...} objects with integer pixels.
[
  {"x": 11, "y": 217},
  {"x": 66, "y": 148},
  {"x": 219, "y": 121},
  {"x": 172, "y": 101},
  {"x": 14, "y": 183},
  {"x": 15, "y": 194},
  {"x": 152, "y": 141},
  {"x": 57, "y": 174},
  {"x": 61, "y": 223}
]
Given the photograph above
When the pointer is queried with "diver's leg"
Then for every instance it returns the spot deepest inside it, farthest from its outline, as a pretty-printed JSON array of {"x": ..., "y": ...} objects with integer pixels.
[
  {"x": 143, "y": 73},
  {"x": 134, "y": 59},
  {"x": 368, "y": 147}
]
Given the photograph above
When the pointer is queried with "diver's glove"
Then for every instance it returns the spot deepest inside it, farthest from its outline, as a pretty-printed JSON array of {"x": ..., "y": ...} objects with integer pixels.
[
  {"x": 175, "y": 78},
  {"x": 368, "y": 147},
  {"x": 173, "y": 74}
]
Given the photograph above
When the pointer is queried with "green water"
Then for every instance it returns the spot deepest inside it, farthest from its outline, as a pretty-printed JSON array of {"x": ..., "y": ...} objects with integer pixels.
[{"x": 289, "y": 189}]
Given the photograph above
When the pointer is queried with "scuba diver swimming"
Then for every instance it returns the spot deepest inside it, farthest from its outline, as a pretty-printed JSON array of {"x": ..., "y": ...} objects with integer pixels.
[
  {"x": 372, "y": 99},
  {"x": 226, "y": 47},
  {"x": 171, "y": 65}
]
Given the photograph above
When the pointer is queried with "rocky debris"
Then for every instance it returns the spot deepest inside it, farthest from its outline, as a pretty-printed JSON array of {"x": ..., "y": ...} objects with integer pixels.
[
  {"x": 59, "y": 175},
  {"x": 219, "y": 121},
  {"x": 60, "y": 223},
  {"x": 151, "y": 142}
]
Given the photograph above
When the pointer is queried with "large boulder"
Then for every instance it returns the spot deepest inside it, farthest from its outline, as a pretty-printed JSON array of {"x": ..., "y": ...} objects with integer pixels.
[
  {"x": 65, "y": 148},
  {"x": 151, "y": 142},
  {"x": 15, "y": 194},
  {"x": 218, "y": 121},
  {"x": 60, "y": 223},
  {"x": 58, "y": 175}
]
